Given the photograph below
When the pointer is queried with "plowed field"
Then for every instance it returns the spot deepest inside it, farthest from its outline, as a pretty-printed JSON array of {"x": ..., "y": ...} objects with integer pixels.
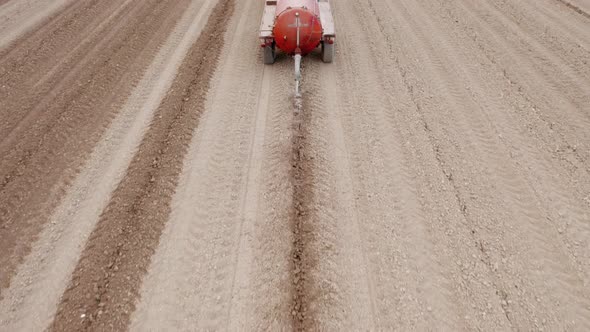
[{"x": 155, "y": 175}]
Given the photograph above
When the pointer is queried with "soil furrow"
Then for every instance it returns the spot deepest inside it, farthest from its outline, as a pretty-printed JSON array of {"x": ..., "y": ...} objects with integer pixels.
[
  {"x": 106, "y": 282},
  {"x": 301, "y": 214},
  {"x": 55, "y": 254},
  {"x": 36, "y": 168},
  {"x": 155, "y": 174}
]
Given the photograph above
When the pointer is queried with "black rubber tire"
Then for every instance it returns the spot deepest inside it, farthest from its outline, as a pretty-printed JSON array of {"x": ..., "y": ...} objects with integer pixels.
[
  {"x": 327, "y": 52},
  {"x": 269, "y": 55}
]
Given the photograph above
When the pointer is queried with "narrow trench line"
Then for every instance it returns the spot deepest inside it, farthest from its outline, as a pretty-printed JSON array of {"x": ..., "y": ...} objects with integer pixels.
[
  {"x": 460, "y": 201},
  {"x": 301, "y": 223},
  {"x": 575, "y": 8}
]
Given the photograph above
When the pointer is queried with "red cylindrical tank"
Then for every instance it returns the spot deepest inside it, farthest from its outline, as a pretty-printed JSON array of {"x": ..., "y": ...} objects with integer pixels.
[{"x": 285, "y": 28}]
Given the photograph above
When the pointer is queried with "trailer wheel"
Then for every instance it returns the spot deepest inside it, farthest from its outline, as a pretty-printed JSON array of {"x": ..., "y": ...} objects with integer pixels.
[
  {"x": 269, "y": 54},
  {"x": 327, "y": 52}
]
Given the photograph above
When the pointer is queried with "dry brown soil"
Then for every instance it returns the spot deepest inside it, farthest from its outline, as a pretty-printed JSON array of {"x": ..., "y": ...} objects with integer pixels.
[{"x": 155, "y": 175}]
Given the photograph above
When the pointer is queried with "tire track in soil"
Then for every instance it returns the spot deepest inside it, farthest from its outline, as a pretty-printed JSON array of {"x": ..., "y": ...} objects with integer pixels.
[
  {"x": 344, "y": 289},
  {"x": 36, "y": 168},
  {"x": 324, "y": 294},
  {"x": 106, "y": 282},
  {"x": 272, "y": 268},
  {"x": 223, "y": 258}
]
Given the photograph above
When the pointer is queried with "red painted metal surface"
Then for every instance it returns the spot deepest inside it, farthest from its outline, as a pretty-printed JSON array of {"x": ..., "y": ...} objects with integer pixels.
[{"x": 285, "y": 27}]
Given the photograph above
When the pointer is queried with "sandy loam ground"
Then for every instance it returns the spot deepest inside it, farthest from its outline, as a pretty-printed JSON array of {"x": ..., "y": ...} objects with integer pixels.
[{"x": 155, "y": 175}]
